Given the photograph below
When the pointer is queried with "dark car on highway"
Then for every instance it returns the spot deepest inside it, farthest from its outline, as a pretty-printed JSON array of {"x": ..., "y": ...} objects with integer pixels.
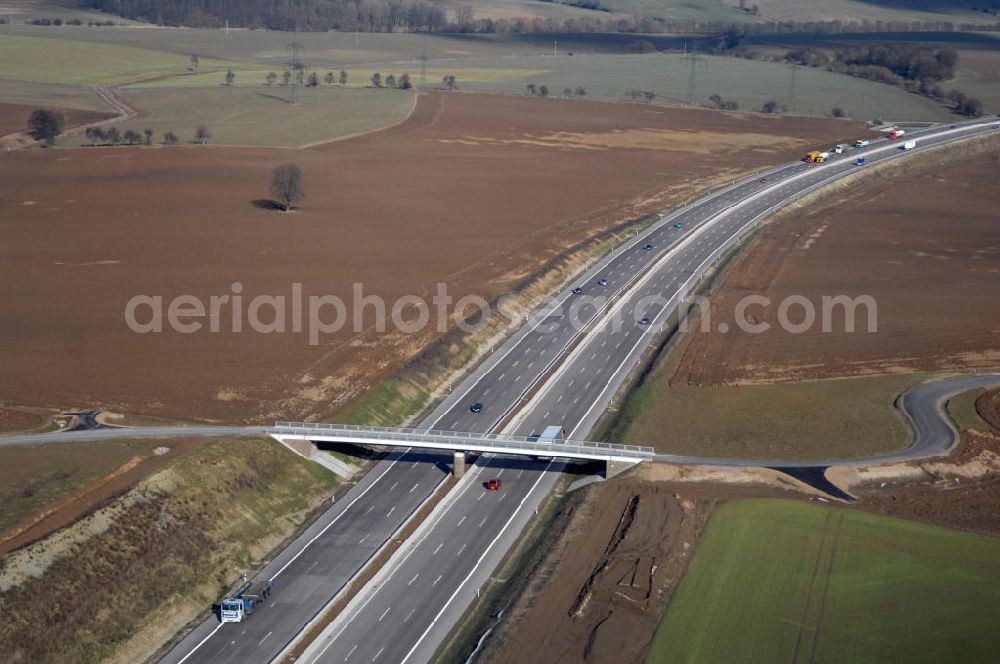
[
  {"x": 647, "y": 246},
  {"x": 602, "y": 282},
  {"x": 643, "y": 321},
  {"x": 476, "y": 407},
  {"x": 577, "y": 290}
]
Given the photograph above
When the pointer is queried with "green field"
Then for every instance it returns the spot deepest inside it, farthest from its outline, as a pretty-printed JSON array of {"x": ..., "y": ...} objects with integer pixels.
[
  {"x": 819, "y": 419},
  {"x": 786, "y": 581},
  {"x": 263, "y": 116},
  {"x": 41, "y": 59},
  {"x": 51, "y": 94}
]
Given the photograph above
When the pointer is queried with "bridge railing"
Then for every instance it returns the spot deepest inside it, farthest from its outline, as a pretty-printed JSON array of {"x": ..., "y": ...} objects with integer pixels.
[{"x": 558, "y": 447}]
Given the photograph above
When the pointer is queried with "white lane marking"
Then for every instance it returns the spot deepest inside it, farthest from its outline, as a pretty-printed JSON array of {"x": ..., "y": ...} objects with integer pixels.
[
  {"x": 501, "y": 472},
  {"x": 414, "y": 487},
  {"x": 462, "y": 549},
  {"x": 409, "y": 615},
  {"x": 482, "y": 522},
  {"x": 485, "y": 553},
  {"x": 438, "y": 548},
  {"x": 415, "y": 463},
  {"x": 370, "y": 508},
  {"x": 413, "y": 579},
  {"x": 393, "y": 509},
  {"x": 462, "y": 520},
  {"x": 378, "y": 653},
  {"x": 351, "y": 652},
  {"x": 502, "y": 496},
  {"x": 480, "y": 496},
  {"x": 264, "y": 639},
  {"x": 201, "y": 643},
  {"x": 436, "y": 580},
  {"x": 520, "y": 473},
  {"x": 393, "y": 486},
  {"x": 384, "y": 614}
]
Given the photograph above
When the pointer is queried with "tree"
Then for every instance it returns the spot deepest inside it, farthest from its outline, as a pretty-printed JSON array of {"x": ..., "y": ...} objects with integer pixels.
[
  {"x": 769, "y": 106},
  {"x": 532, "y": 88},
  {"x": 194, "y": 63},
  {"x": 343, "y": 77},
  {"x": 286, "y": 185},
  {"x": 972, "y": 107},
  {"x": 113, "y": 136},
  {"x": 170, "y": 138},
  {"x": 390, "y": 81},
  {"x": 404, "y": 82},
  {"x": 286, "y": 77},
  {"x": 837, "y": 112},
  {"x": 230, "y": 77},
  {"x": 202, "y": 134},
  {"x": 328, "y": 79},
  {"x": 45, "y": 125},
  {"x": 132, "y": 137},
  {"x": 377, "y": 80},
  {"x": 567, "y": 92},
  {"x": 94, "y": 134},
  {"x": 271, "y": 78},
  {"x": 543, "y": 91},
  {"x": 313, "y": 80},
  {"x": 580, "y": 92},
  {"x": 449, "y": 82},
  {"x": 149, "y": 135}
]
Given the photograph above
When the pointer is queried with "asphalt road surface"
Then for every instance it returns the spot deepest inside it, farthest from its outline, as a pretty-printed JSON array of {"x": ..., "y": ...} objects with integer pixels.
[{"x": 404, "y": 615}]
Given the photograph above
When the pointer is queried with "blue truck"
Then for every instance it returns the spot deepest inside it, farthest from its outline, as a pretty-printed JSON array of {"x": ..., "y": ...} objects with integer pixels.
[{"x": 244, "y": 601}]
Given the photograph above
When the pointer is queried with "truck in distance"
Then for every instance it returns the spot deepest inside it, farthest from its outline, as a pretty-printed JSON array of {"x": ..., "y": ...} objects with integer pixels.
[
  {"x": 861, "y": 143},
  {"x": 244, "y": 601},
  {"x": 816, "y": 157},
  {"x": 896, "y": 133},
  {"x": 841, "y": 148},
  {"x": 909, "y": 145}
]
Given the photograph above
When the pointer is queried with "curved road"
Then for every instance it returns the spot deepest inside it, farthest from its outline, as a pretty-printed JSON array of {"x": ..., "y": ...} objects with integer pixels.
[{"x": 403, "y": 618}]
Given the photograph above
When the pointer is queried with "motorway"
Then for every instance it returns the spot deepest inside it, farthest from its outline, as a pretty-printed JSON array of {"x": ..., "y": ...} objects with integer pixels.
[{"x": 412, "y": 604}]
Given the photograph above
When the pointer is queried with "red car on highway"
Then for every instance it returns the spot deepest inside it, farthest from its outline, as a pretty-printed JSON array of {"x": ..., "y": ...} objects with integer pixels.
[{"x": 493, "y": 484}]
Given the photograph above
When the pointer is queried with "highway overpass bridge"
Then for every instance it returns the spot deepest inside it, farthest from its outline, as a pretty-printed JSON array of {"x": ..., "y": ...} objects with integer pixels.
[{"x": 545, "y": 445}]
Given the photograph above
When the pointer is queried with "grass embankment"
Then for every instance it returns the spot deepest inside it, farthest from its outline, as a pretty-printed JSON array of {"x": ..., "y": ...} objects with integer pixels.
[
  {"x": 33, "y": 476},
  {"x": 962, "y": 410},
  {"x": 819, "y": 419},
  {"x": 126, "y": 578},
  {"x": 777, "y": 580}
]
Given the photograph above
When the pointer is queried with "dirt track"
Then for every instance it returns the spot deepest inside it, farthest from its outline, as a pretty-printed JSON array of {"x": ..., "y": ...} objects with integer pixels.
[
  {"x": 475, "y": 191},
  {"x": 923, "y": 242}
]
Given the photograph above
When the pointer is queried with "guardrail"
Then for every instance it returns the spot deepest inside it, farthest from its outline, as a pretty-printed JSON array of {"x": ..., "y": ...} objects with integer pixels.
[{"x": 465, "y": 440}]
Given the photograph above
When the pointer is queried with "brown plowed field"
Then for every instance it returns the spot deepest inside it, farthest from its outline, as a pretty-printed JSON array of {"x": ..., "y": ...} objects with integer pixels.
[
  {"x": 476, "y": 191},
  {"x": 14, "y": 117},
  {"x": 923, "y": 242}
]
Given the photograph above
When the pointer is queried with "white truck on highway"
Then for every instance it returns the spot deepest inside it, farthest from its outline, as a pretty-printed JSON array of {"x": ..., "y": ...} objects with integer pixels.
[
  {"x": 909, "y": 145},
  {"x": 861, "y": 143}
]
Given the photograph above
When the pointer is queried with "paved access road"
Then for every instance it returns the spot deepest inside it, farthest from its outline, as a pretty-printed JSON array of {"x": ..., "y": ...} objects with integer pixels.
[
  {"x": 640, "y": 282},
  {"x": 405, "y": 614}
]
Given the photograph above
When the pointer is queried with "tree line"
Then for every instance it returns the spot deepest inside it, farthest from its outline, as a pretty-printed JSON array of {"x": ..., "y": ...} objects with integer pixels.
[{"x": 424, "y": 16}]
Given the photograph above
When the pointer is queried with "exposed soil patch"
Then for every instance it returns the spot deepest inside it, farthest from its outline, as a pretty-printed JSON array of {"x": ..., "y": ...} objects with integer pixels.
[
  {"x": 397, "y": 211},
  {"x": 19, "y": 419},
  {"x": 921, "y": 240},
  {"x": 14, "y": 117},
  {"x": 600, "y": 593}
]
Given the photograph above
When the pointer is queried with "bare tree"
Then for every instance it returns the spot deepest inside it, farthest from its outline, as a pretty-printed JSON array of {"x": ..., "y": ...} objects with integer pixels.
[
  {"x": 132, "y": 137},
  {"x": 837, "y": 112},
  {"x": 286, "y": 185},
  {"x": 769, "y": 106},
  {"x": 313, "y": 80},
  {"x": 449, "y": 82},
  {"x": 149, "y": 135},
  {"x": 580, "y": 91},
  {"x": 170, "y": 138},
  {"x": 404, "y": 82},
  {"x": 286, "y": 77},
  {"x": 532, "y": 89},
  {"x": 94, "y": 134},
  {"x": 543, "y": 91},
  {"x": 230, "y": 77},
  {"x": 202, "y": 134},
  {"x": 377, "y": 80},
  {"x": 328, "y": 79},
  {"x": 194, "y": 63},
  {"x": 271, "y": 78},
  {"x": 343, "y": 77},
  {"x": 113, "y": 136},
  {"x": 390, "y": 81}
]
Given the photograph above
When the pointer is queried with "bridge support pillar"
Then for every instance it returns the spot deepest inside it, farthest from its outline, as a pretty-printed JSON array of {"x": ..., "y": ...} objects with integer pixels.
[{"x": 458, "y": 468}]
